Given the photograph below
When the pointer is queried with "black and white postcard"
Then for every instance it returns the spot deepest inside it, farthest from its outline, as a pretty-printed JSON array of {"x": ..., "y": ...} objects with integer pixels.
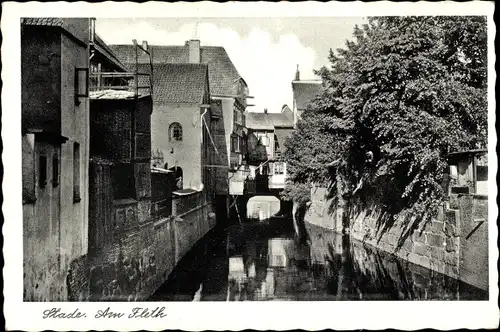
[{"x": 325, "y": 165}]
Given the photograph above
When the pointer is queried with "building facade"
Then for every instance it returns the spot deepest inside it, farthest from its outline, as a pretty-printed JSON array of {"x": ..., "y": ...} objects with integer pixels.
[
  {"x": 180, "y": 120},
  {"x": 268, "y": 132},
  {"x": 55, "y": 147},
  {"x": 228, "y": 93}
]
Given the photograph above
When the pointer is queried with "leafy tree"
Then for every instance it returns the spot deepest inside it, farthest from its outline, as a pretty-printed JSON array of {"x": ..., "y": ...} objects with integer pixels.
[
  {"x": 400, "y": 96},
  {"x": 299, "y": 193}
]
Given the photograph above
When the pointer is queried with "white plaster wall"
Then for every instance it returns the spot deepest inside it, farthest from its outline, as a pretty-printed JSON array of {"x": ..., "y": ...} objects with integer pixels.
[
  {"x": 75, "y": 126},
  {"x": 278, "y": 180},
  {"x": 186, "y": 153}
]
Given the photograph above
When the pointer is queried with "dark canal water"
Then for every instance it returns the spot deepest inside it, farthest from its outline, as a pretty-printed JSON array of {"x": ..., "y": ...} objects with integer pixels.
[{"x": 266, "y": 262}]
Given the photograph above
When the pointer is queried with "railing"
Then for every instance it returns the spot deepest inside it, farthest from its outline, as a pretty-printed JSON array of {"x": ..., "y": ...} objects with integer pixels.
[
  {"x": 123, "y": 78},
  {"x": 182, "y": 204},
  {"x": 120, "y": 81}
]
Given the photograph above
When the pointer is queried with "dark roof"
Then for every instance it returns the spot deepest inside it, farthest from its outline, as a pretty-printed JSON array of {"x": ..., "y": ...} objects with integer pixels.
[
  {"x": 305, "y": 91},
  {"x": 268, "y": 121},
  {"x": 223, "y": 76},
  {"x": 286, "y": 110},
  {"x": 46, "y": 21},
  {"x": 282, "y": 120},
  {"x": 282, "y": 134},
  {"x": 75, "y": 26},
  {"x": 177, "y": 82},
  {"x": 468, "y": 152},
  {"x": 106, "y": 52},
  {"x": 258, "y": 121}
]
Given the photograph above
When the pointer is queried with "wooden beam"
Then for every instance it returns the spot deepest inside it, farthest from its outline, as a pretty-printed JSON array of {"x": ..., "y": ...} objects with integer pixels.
[
  {"x": 230, "y": 96},
  {"x": 118, "y": 74}
]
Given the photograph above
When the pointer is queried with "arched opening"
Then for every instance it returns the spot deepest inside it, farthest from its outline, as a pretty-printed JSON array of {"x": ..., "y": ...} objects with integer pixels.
[
  {"x": 263, "y": 207},
  {"x": 178, "y": 178}
]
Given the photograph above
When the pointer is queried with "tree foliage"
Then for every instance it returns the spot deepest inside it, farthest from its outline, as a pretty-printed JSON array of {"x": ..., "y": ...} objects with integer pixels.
[
  {"x": 299, "y": 193},
  {"x": 406, "y": 90}
]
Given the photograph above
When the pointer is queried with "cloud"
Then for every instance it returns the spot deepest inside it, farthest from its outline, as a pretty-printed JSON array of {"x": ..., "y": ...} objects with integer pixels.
[{"x": 266, "y": 62}]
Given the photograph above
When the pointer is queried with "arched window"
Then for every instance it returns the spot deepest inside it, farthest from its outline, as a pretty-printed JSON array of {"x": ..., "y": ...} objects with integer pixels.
[{"x": 175, "y": 131}]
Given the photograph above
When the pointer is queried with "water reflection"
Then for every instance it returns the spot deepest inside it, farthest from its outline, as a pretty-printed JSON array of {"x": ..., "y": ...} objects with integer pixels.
[{"x": 251, "y": 262}]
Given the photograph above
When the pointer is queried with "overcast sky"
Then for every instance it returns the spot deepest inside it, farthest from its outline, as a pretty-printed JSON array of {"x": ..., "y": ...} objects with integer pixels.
[{"x": 265, "y": 51}]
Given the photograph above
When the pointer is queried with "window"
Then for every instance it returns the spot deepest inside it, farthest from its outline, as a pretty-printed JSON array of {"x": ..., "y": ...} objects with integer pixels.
[
  {"x": 235, "y": 145},
  {"x": 55, "y": 170},
  {"x": 175, "y": 131},
  {"x": 81, "y": 84},
  {"x": 238, "y": 116},
  {"x": 76, "y": 172},
  {"x": 279, "y": 169},
  {"x": 244, "y": 148},
  {"x": 482, "y": 173},
  {"x": 42, "y": 171},
  {"x": 241, "y": 144}
]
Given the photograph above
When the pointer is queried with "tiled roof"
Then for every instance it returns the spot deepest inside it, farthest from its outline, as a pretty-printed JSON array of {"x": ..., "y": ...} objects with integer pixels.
[
  {"x": 78, "y": 27},
  {"x": 177, "y": 82},
  {"x": 258, "y": 121},
  {"x": 46, "y": 21},
  {"x": 305, "y": 91},
  {"x": 223, "y": 76},
  {"x": 282, "y": 120},
  {"x": 268, "y": 121},
  {"x": 285, "y": 109},
  {"x": 106, "y": 52},
  {"x": 282, "y": 135}
]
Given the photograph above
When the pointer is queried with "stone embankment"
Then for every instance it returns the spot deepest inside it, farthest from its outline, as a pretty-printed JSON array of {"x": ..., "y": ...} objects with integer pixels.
[{"x": 454, "y": 243}]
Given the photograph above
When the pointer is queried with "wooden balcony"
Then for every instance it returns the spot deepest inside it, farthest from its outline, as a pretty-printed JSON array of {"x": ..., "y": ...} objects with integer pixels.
[{"x": 138, "y": 83}]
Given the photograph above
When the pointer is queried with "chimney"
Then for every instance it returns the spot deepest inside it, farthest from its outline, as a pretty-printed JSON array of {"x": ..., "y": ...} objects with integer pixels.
[
  {"x": 145, "y": 45},
  {"x": 194, "y": 50},
  {"x": 297, "y": 74},
  {"x": 265, "y": 110},
  {"x": 92, "y": 30}
]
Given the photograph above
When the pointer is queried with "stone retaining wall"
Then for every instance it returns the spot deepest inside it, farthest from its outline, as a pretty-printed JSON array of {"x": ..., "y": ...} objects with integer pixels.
[
  {"x": 137, "y": 262},
  {"x": 453, "y": 243}
]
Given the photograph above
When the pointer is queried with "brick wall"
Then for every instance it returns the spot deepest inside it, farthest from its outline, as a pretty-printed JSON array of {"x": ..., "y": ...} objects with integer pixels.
[
  {"x": 139, "y": 259},
  {"x": 183, "y": 204},
  {"x": 111, "y": 121},
  {"x": 443, "y": 244}
]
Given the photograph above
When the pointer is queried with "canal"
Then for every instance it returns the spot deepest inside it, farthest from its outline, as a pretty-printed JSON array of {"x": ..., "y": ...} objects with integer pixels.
[{"x": 264, "y": 261}]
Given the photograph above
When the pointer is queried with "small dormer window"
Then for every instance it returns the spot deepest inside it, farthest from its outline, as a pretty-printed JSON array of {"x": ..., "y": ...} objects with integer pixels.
[{"x": 175, "y": 131}]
